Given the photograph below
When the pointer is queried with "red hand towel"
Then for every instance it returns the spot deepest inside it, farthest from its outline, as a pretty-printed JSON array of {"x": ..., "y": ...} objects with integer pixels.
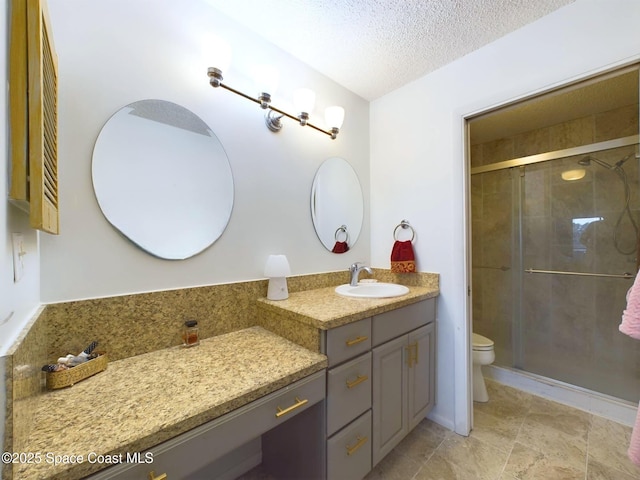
[
  {"x": 402, "y": 257},
  {"x": 340, "y": 247}
]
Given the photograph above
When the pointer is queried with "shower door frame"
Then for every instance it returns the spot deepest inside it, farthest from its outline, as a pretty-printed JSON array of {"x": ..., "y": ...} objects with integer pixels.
[
  {"x": 517, "y": 199},
  {"x": 558, "y": 154}
]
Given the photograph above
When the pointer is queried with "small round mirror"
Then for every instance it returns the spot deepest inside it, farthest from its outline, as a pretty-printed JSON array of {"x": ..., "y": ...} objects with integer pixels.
[
  {"x": 337, "y": 205},
  {"x": 163, "y": 179}
]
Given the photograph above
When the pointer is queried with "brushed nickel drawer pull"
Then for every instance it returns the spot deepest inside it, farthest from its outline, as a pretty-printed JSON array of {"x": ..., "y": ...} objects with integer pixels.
[
  {"x": 298, "y": 404},
  {"x": 357, "y": 381},
  {"x": 152, "y": 476},
  {"x": 355, "y": 341},
  {"x": 354, "y": 449}
]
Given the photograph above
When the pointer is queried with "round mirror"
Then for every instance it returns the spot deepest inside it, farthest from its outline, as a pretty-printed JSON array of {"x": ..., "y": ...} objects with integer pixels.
[
  {"x": 337, "y": 205},
  {"x": 163, "y": 179}
]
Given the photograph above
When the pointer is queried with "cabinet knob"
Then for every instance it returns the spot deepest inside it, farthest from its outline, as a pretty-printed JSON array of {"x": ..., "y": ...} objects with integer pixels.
[{"x": 152, "y": 476}]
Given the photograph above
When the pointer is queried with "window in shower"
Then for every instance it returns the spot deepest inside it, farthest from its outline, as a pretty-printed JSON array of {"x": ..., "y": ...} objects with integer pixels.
[
  {"x": 583, "y": 229},
  {"x": 555, "y": 205}
]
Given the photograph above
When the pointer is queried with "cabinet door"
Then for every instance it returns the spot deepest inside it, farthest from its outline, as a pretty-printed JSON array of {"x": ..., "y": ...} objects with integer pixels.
[
  {"x": 34, "y": 118},
  {"x": 421, "y": 353},
  {"x": 389, "y": 397}
]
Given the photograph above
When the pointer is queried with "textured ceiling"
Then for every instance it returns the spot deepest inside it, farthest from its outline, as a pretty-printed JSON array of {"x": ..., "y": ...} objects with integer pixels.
[{"x": 373, "y": 47}]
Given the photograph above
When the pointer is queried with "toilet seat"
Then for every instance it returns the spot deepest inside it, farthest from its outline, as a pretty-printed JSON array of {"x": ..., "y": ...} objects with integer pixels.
[{"x": 481, "y": 343}]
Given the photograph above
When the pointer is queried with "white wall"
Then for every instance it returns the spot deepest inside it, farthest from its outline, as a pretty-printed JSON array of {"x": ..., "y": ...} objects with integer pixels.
[
  {"x": 115, "y": 52},
  {"x": 417, "y": 152}
]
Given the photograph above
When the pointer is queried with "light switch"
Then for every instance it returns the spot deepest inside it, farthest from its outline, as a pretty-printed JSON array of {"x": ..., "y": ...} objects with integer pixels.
[{"x": 18, "y": 254}]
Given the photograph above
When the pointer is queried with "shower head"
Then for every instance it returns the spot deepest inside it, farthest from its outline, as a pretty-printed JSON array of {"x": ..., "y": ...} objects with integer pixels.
[{"x": 586, "y": 161}]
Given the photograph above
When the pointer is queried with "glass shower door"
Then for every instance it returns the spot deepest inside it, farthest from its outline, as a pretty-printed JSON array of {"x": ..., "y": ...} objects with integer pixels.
[{"x": 577, "y": 246}]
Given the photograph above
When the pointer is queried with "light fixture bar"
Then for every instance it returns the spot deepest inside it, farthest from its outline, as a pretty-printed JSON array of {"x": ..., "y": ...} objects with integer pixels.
[
  {"x": 216, "y": 81},
  {"x": 308, "y": 124}
]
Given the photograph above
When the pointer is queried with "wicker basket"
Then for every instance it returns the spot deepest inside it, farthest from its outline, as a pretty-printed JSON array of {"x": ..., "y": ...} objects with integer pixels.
[{"x": 66, "y": 378}]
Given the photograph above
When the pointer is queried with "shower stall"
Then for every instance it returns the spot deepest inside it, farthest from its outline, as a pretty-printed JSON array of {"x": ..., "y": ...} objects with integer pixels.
[{"x": 556, "y": 245}]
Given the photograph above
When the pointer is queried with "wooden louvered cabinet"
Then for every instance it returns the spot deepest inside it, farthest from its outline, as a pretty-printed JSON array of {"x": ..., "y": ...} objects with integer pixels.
[{"x": 33, "y": 91}]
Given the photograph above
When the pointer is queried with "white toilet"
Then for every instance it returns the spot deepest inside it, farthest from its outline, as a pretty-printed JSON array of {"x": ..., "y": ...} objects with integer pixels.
[{"x": 483, "y": 354}]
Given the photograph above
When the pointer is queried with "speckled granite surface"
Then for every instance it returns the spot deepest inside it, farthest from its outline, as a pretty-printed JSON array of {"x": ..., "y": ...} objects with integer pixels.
[
  {"x": 324, "y": 309},
  {"x": 136, "y": 403},
  {"x": 136, "y": 324},
  {"x": 130, "y": 325},
  {"x": 23, "y": 384}
]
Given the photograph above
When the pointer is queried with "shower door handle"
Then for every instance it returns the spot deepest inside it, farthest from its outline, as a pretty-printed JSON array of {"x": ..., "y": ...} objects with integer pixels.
[{"x": 582, "y": 274}]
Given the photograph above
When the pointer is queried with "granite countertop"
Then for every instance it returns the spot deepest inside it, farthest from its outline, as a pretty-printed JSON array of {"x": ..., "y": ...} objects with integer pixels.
[
  {"x": 325, "y": 309},
  {"x": 141, "y": 401}
]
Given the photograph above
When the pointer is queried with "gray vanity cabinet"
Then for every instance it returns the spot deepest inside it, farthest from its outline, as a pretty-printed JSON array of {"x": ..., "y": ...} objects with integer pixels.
[
  {"x": 403, "y": 373},
  {"x": 380, "y": 385},
  {"x": 402, "y": 387},
  {"x": 272, "y": 427},
  {"x": 348, "y": 349}
]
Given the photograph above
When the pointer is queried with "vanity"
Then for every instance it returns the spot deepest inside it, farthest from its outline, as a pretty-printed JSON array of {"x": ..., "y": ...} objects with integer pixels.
[
  {"x": 381, "y": 367},
  {"x": 350, "y": 376},
  {"x": 181, "y": 411}
]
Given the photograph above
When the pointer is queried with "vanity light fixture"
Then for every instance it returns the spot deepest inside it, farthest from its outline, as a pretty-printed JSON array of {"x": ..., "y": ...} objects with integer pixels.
[
  {"x": 304, "y": 100},
  {"x": 276, "y": 270}
]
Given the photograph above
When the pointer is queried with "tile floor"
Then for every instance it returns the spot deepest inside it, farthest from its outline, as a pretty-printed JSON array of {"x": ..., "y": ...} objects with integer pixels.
[{"x": 516, "y": 436}]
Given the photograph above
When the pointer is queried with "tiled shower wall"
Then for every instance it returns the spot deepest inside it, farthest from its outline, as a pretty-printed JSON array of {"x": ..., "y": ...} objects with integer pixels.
[{"x": 566, "y": 327}]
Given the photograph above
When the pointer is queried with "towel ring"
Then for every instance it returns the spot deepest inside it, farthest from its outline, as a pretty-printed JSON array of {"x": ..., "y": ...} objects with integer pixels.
[
  {"x": 342, "y": 229},
  {"x": 404, "y": 224}
]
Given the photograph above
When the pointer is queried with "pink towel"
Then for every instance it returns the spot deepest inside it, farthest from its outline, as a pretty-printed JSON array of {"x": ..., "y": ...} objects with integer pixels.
[
  {"x": 634, "y": 445},
  {"x": 631, "y": 316},
  {"x": 631, "y": 326}
]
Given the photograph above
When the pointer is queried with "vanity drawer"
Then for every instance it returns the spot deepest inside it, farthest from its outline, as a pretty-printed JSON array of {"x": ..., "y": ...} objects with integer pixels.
[
  {"x": 394, "y": 323},
  {"x": 348, "y": 392},
  {"x": 348, "y": 341},
  {"x": 349, "y": 451},
  {"x": 196, "y": 449}
]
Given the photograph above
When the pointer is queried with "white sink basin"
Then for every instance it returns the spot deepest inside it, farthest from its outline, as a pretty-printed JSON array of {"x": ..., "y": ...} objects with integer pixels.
[{"x": 372, "y": 290}]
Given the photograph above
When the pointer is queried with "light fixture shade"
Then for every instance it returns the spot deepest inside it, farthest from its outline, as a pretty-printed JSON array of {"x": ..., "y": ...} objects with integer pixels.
[
  {"x": 266, "y": 78},
  {"x": 570, "y": 175},
  {"x": 334, "y": 116},
  {"x": 304, "y": 100},
  {"x": 277, "y": 266}
]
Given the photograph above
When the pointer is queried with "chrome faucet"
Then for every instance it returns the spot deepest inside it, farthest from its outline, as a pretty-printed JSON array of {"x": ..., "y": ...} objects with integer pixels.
[{"x": 355, "y": 270}]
